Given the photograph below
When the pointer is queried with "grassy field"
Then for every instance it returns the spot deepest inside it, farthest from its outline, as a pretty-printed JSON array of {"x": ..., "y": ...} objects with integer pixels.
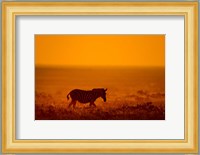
[{"x": 141, "y": 106}]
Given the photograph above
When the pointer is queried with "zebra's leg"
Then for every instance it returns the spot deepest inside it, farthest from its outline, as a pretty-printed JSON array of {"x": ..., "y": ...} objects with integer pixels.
[
  {"x": 92, "y": 103},
  {"x": 72, "y": 102}
]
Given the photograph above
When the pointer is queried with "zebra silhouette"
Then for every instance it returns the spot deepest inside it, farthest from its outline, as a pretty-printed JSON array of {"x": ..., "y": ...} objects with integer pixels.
[{"x": 86, "y": 96}]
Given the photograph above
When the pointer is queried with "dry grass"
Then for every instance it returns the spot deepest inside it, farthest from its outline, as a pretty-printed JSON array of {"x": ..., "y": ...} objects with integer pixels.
[{"x": 143, "y": 106}]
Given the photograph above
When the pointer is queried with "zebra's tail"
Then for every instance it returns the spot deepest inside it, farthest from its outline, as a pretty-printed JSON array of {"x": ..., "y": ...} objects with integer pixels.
[{"x": 68, "y": 96}]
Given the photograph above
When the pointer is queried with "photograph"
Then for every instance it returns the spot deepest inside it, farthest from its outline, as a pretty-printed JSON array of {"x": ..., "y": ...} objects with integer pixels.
[{"x": 99, "y": 77}]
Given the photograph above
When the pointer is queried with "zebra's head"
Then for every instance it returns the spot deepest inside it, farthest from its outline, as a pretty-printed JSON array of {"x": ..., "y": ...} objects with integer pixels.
[{"x": 101, "y": 93}]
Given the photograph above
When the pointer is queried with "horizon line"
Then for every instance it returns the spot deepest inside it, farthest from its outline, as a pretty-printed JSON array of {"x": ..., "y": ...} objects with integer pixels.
[{"x": 98, "y": 66}]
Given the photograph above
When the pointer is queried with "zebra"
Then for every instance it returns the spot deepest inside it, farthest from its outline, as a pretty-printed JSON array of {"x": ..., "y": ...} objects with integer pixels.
[{"x": 86, "y": 96}]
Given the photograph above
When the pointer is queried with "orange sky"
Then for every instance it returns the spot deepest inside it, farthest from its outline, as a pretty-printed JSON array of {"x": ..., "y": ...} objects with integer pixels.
[{"x": 100, "y": 50}]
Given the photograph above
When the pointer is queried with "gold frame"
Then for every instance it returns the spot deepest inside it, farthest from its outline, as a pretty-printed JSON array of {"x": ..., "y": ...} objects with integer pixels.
[{"x": 187, "y": 9}]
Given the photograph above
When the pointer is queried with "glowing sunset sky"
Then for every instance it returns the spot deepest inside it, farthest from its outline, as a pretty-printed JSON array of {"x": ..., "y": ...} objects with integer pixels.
[{"x": 100, "y": 50}]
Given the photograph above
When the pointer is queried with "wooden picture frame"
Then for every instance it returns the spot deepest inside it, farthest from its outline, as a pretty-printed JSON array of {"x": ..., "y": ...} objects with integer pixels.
[{"x": 10, "y": 10}]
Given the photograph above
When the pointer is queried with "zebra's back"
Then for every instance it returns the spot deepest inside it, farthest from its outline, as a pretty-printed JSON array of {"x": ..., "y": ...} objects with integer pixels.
[{"x": 83, "y": 96}]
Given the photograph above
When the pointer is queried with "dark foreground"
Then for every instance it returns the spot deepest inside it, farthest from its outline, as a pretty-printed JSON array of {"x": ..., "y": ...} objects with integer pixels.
[{"x": 145, "y": 111}]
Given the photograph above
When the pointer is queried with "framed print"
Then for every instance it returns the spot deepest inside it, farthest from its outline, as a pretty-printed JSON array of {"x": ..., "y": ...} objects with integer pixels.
[{"x": 100, "y": 77}]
